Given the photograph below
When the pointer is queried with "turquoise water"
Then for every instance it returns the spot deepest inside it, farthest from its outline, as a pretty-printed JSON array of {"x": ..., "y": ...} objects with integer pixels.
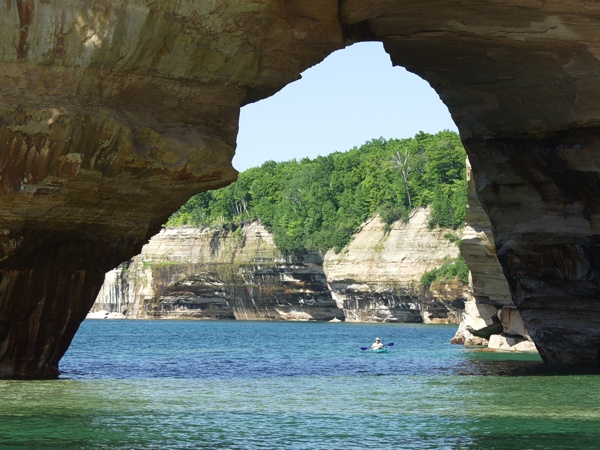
[{"x": 268, "y": 385}]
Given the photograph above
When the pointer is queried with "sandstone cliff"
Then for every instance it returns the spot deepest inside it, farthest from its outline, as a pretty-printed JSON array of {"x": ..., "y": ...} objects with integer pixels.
[
  {"x": 377, "y": 276},
  {"x": 113, "y": 113},
  {"x": 187, "y": 272},
  {"x": 490, "y": 318}
]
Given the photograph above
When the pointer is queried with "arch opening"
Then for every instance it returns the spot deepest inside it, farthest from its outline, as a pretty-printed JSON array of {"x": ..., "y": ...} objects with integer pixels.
[{"x": 352, "y": 96}]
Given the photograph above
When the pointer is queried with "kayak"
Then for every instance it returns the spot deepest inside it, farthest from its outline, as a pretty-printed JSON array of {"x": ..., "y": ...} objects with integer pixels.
[{"x": 380, "y": 350}]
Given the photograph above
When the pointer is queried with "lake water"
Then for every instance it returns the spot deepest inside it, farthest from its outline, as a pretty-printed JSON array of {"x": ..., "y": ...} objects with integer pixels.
[{"x": 272, "y": 385}]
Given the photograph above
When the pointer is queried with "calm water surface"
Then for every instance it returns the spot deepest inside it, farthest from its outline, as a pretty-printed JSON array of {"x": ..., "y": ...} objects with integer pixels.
[{"x": 269, "y": 385}]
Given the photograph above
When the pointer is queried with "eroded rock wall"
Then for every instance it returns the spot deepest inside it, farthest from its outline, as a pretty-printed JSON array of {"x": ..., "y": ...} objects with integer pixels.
[
  {"x": 377, "y": 277},
  {"x": 522, "y": 82},
  {"x": 112, "y": 114},
  {"x": 188, "y": 272},
  {"x": 203, "y": 273},
  {"x": 490, "y": 318}
]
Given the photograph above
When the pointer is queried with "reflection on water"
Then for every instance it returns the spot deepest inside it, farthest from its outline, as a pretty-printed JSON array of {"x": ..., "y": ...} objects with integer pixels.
[{"x": 191, "y": 385}]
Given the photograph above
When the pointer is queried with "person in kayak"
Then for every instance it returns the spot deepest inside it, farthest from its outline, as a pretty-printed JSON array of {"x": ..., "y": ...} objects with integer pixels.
[{"x": 377, "y": 345}]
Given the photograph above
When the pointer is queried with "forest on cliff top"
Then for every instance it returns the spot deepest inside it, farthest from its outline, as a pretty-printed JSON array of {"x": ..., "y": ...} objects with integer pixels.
[{"x": 318, "y": 204}]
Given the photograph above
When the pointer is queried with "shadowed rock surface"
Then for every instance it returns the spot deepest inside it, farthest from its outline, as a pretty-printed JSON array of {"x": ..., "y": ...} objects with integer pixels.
[
  {"x": 113, "y": 113},
  {"x": 521, "y": 80},
  {"x": 489, "y": 301}
]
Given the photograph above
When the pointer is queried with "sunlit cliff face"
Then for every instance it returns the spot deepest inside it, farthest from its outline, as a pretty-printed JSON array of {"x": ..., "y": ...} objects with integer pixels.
[{"x": 113, "y": 113}]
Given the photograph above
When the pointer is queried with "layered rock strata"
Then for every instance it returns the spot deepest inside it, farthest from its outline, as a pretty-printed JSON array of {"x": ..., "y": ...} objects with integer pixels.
[
  {"x": 113, "y": 113},
  {"x": 377, "y": 277},
  {"x": 491, "y": 318},
  {"x": 522, "y": 82},
  {"x": 202, "y": 273}
]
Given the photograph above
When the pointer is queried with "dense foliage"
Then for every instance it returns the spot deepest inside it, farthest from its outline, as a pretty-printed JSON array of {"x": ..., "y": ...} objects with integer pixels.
[
  {"x": 318, "y": 204},
  {"x": 452, "y": 269}
]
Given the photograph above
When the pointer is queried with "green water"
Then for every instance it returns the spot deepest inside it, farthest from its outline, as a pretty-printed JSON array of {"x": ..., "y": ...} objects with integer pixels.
[{"x": 188, "y": 385}]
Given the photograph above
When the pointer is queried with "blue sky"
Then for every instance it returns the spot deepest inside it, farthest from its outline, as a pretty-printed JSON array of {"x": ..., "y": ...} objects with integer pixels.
[{"x": 353, "y": 96}]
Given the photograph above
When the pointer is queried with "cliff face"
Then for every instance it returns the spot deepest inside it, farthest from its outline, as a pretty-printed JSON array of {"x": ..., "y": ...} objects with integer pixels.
[
  {"x": 521, "y": 80},
  {"x": 113, "y": 113},
  {"x": 377, "y": 276},
  {"x": 187, "y": 272},
  {"x": 491, "y": 318}
]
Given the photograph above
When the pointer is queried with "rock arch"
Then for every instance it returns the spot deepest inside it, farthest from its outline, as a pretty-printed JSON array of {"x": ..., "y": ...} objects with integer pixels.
[{"x": 113, "y": 113}]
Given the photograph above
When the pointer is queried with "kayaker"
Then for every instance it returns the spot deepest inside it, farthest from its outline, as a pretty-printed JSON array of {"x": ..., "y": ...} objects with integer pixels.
[{"x": 377, "y": 345}]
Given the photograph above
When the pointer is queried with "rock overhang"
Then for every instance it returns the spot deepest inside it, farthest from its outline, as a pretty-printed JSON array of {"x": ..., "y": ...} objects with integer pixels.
[{"x": 113, "y": 113}]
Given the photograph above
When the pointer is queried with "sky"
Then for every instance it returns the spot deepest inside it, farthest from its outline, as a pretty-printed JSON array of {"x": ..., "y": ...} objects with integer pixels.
[{"x": 353, "y": 96}]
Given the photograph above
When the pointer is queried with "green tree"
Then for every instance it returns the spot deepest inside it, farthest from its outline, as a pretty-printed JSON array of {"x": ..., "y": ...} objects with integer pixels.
[{"x": 319, "y": 204}]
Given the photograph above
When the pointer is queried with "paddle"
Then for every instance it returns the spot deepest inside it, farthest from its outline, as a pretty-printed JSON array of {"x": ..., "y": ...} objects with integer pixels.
[{"x": 390, "y": 344}]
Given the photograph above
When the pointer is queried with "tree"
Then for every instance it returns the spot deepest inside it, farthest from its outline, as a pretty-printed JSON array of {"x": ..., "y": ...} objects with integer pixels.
[
  {"x": 401, "y": 159},
  {"x": 319, "y": 204}
]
